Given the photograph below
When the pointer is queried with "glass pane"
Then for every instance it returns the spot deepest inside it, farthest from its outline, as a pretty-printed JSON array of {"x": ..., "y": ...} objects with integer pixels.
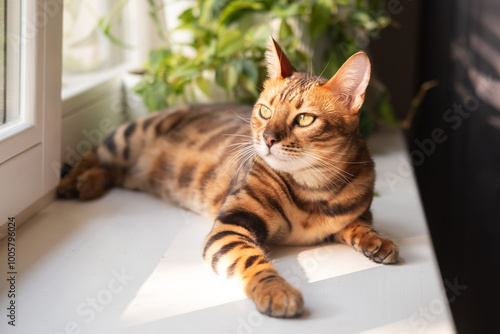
[
  {"x": 10, "y": 54},
  {"x": 85, "y": 47},
  {"x": 3, "y": 17}
]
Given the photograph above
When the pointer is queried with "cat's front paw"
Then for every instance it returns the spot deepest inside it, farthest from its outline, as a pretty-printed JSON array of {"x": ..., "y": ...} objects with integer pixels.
[
  {"x": 275, "y": 297},
  {"x": 378, "y": 249}
]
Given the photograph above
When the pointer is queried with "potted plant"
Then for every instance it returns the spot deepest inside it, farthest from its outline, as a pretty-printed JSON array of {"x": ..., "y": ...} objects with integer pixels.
[{"x": 229, "y": 40}]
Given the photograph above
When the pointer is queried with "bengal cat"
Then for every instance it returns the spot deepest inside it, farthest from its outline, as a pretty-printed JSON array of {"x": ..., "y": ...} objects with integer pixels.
[{"x": 292, "y": 170}]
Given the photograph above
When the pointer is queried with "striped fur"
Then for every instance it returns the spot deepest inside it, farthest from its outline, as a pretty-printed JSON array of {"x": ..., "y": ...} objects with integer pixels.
[{"x": 262, "y": 181}]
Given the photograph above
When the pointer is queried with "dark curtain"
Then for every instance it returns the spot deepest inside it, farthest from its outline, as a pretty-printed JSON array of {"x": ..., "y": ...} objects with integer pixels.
[{"x": 459, "y": 178}]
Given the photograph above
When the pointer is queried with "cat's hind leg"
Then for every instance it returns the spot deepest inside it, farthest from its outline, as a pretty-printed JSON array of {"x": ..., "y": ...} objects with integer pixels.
[
  {"x": 89, "y": 179},
  {"x": 108, "y": 163}
]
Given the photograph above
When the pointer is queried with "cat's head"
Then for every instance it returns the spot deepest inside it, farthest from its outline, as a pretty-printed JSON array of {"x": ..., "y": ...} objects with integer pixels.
[{"x": 300, "y": 119}]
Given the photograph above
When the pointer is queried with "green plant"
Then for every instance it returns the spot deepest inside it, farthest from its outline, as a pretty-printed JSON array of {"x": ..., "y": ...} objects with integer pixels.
[{"x": 230, "y": 39}]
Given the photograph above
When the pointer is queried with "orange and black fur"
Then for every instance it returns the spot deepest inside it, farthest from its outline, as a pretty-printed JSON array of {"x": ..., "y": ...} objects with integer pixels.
[{"x": 292, "y": 170}]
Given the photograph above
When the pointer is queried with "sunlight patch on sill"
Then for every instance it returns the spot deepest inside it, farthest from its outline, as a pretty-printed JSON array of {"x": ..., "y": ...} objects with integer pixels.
[{"x": 176, "y": 288}]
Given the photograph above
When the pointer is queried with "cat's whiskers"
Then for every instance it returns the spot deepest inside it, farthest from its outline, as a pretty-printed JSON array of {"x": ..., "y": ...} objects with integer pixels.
[
  {"x": 236, "y": 156},
  {"x": 345, "y": 175},
  {"x": 302, "y": 149},
  {"x": 249, "y": 155},
  {"x": 330, "y": 167},
  {"x": 333, "y": 152},
  {"x": 247, "y": 120},
  {"x": 334, "y": 170},
  {"x": 238, "y": 145},
  {"x": 236, "y": 135},
  {"x": 347, "y": 162},
  {"x": 310, "y": 166},
  {"x": 323, "y": 179},
  {"x": 243, "y": 153},
  {"x": 322, "y": 159}
]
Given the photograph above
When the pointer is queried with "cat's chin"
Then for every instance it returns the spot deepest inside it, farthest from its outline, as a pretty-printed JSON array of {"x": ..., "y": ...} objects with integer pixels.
[
  {"x": 279, "y": 164},
  {"x": 276, "y": 159}
]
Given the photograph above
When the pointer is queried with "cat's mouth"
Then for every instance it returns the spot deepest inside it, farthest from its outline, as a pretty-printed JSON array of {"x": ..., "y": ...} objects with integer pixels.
[
  {"x": 271, "y": 154},
  {"x": 276, "y": 159},
  {"x": 273, "y": 157}
]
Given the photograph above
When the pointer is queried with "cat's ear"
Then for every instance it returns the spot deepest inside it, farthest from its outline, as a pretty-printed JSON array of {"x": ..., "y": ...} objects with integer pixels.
[
  {"x": 351, "y": 80},
  {"x": 278, "y": 65}
]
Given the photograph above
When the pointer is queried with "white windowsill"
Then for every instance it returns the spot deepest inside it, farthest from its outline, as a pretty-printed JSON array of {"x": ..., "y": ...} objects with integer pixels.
[{"x": 138, "y": 261}]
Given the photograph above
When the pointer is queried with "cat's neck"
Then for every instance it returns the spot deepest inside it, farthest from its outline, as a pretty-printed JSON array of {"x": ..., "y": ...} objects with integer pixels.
[{"x": 335, "y": 169}]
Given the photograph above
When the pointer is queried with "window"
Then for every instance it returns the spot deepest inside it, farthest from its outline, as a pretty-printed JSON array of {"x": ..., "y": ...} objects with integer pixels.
[
  {"x": 10, "y": 52},
  {"x": 96, "y": 82},
  {"x": 85, "y": 49},
  {"x": 39, "y": 125},
  {"x": 89, "y": 48},
  {"x": 30, "y": 88},
  {"x": 3, "y": 16}
]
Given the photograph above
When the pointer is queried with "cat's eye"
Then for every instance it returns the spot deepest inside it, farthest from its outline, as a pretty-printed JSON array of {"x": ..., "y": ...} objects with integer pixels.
[
  {"x": 265, "y": 112},
  {"x": 305, "y": 119}
]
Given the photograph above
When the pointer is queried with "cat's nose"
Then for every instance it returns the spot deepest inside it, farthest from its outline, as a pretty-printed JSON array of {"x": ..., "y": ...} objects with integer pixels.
[{"x": 270, "y": 140}]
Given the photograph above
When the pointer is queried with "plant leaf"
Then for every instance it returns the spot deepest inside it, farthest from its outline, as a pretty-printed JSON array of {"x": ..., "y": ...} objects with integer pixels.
[
  {"x": 285, "y": 30},
  {"x": 187, "y": 16},
  {"x": 361, "y": 18},
  {"x": 156, "y": 57},
  {"x": 203, "y": 84},
  {"x": 235, "y": 9},
  {"x": 230, "y": 42},
  {"x": 366, "y": 122},
  {"x": 227, "y": 76},
  {"x": 210, "y": 9},
  {"x": 385, "y": 110},
  {"x": 320, "y": 17},
  {"x": 251, "y": 71},
  {"x": 154, "y": 92},
  {"x": 250, "y": 87},
  {"x": 288, "y": 9}
]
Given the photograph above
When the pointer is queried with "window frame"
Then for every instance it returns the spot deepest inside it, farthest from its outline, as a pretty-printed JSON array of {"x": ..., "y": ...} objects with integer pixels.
[
  {"x": 30, "y": 147},
  {"x": 3, "y": 67},
  {"x": 18, "y": 135},
  {"x": 31, "y": 162}
]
